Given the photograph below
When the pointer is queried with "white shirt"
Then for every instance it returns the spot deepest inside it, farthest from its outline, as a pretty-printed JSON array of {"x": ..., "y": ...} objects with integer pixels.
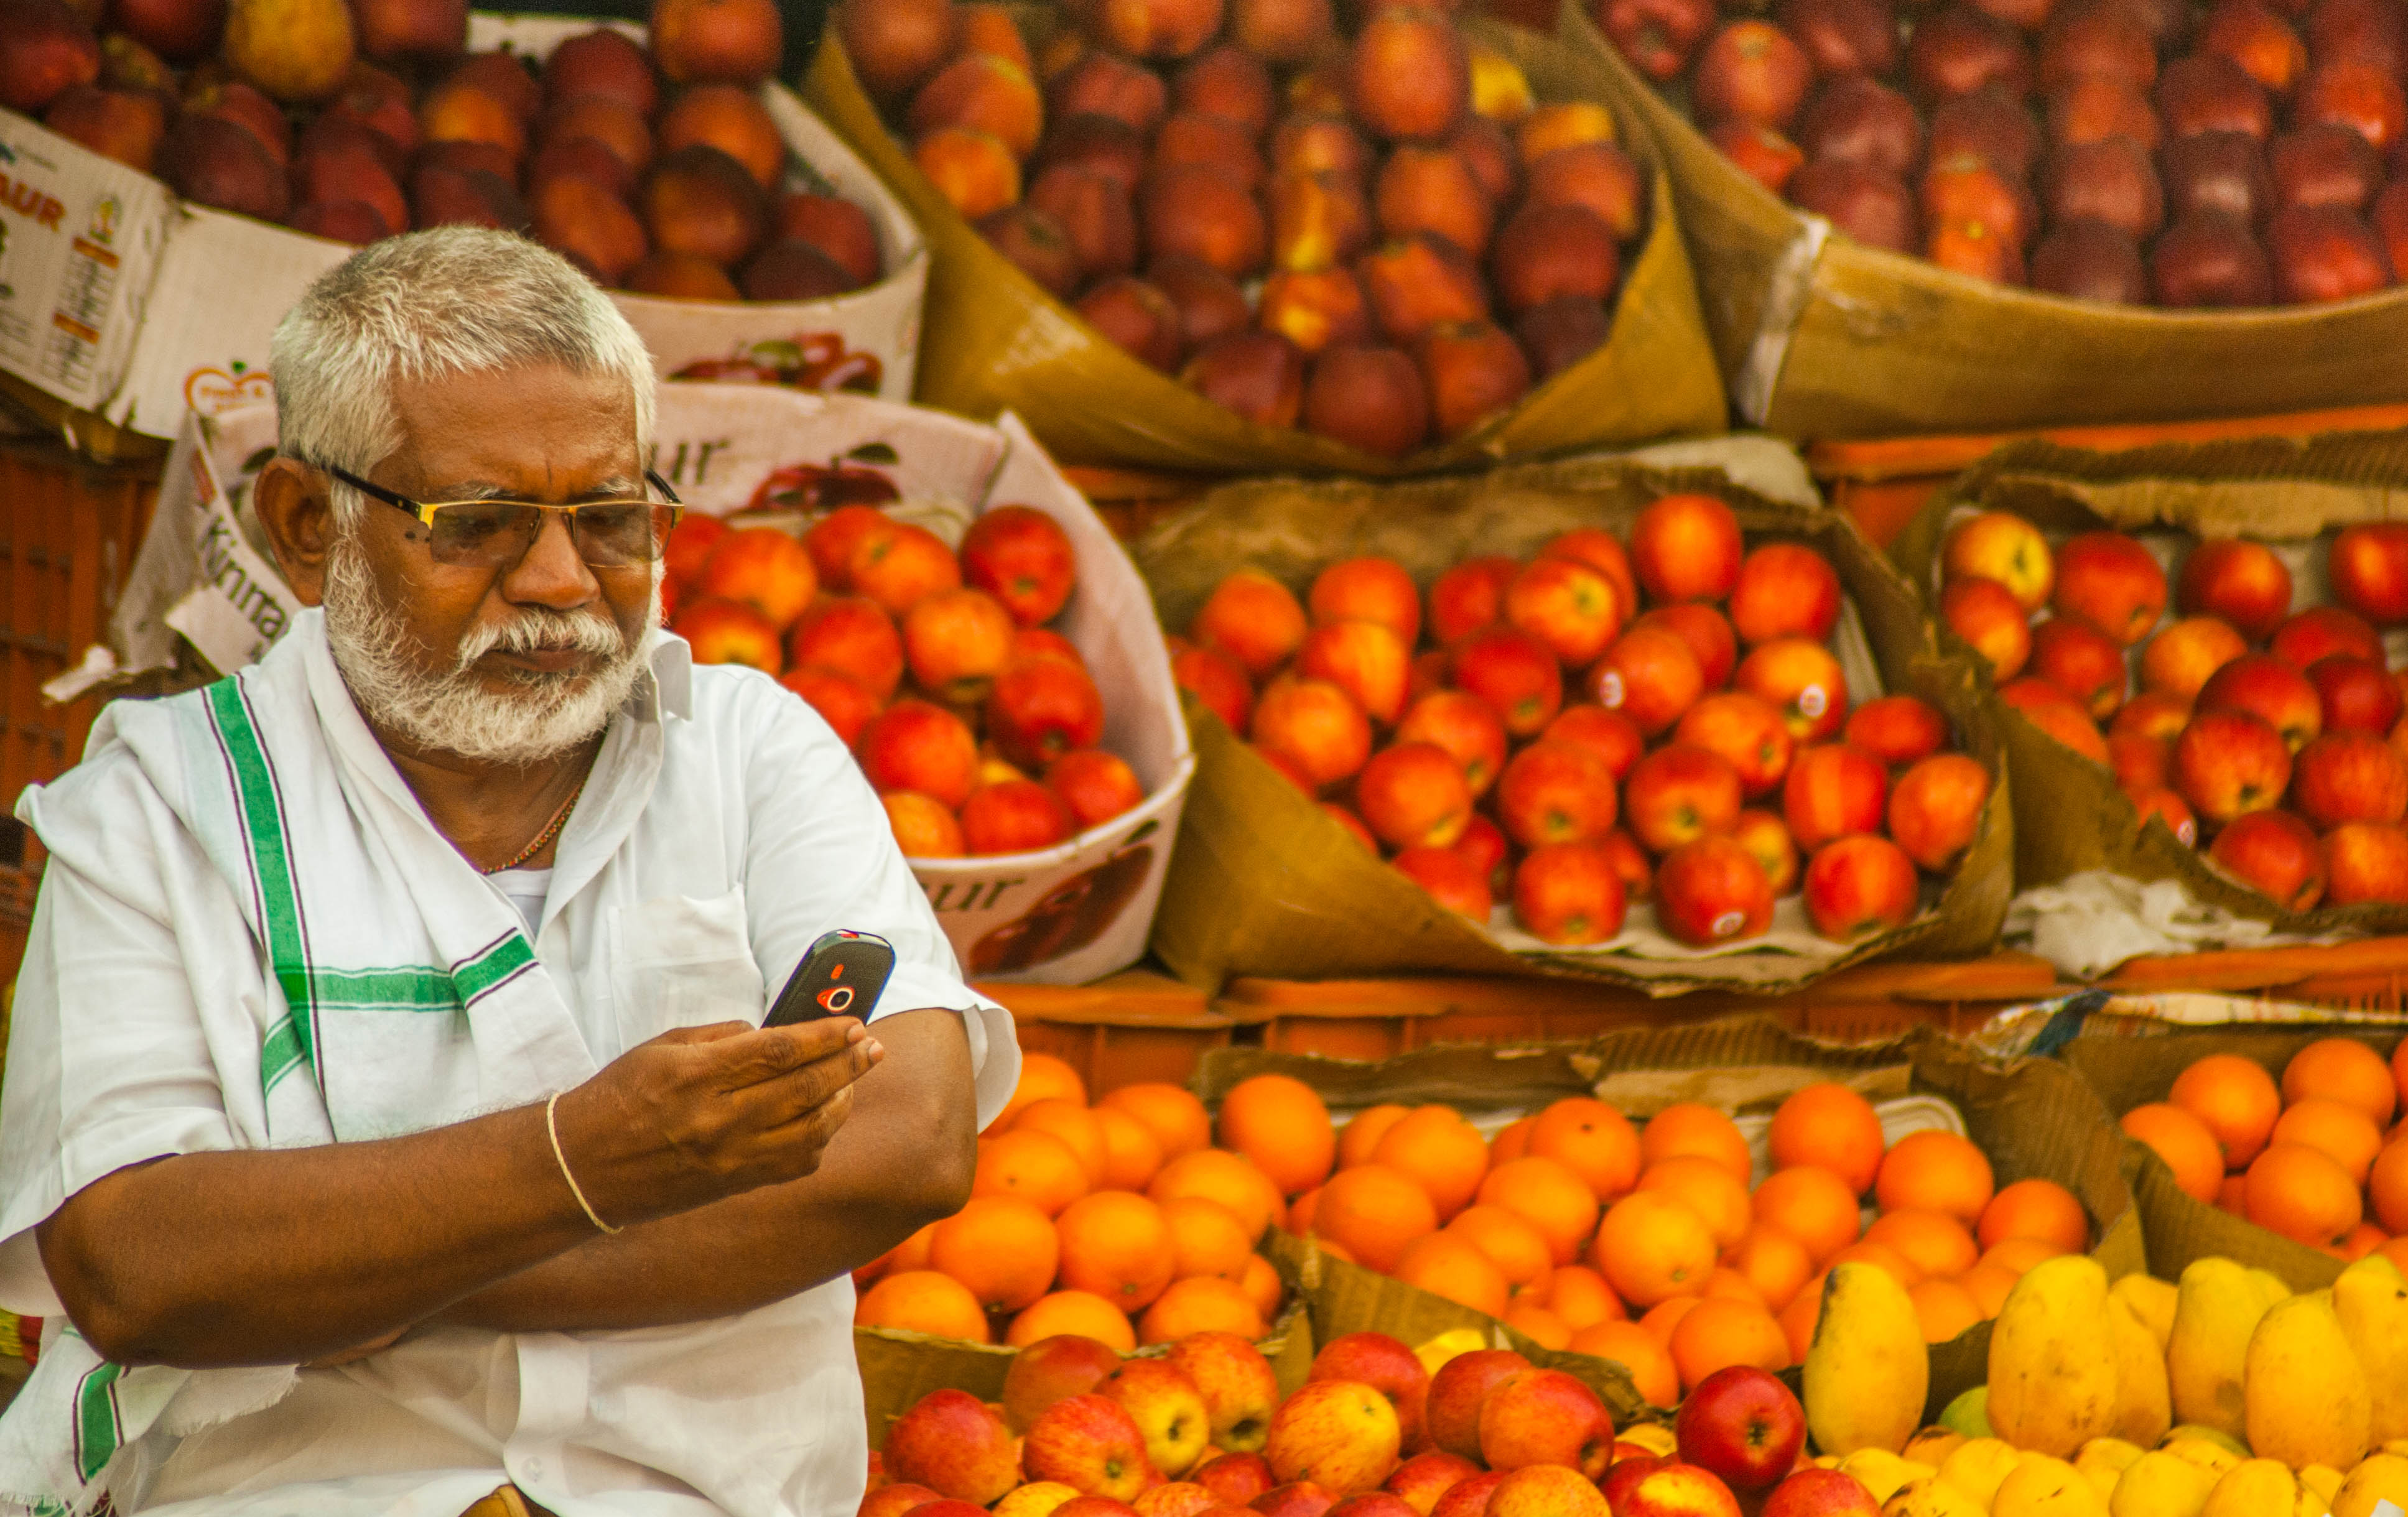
[{"x": 667, "y": 903}]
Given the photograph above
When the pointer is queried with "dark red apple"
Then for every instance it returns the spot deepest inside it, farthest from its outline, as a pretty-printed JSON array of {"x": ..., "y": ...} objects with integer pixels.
[
  {"x": 2324, "y": 253},
  {"x": 1751, "y": 71},
  {"x": 1869, "y": 205},
  {"x": 2224, "y": 172},
  {"x": 1990, "y": 125},
  {"x": 1657, "y": 37},
  {"x": 2209, "y": 258},
  {"x": 2210, "y": 92},
  {"x": 1745, "y": 1425},
  {"x": 1856, "y": 119},
  {"x": 1842, "y": 36},
  {"x": 2102, "y": 39},
  {"x": 2088, "y": 260},
  {"x": 2372, "y": 32},
  {"x": 2111, "y": 181},
  {"x": 1957, "y": 50},
  {"x": 2324, "y": 164}
]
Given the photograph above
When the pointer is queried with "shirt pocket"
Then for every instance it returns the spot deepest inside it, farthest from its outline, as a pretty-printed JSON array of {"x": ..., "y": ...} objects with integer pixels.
[{"x": 683, "y": 961}]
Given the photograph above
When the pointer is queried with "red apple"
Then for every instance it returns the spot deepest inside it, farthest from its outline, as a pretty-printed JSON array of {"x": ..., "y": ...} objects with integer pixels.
[
  {"x": 2081, "y": 661},
  {"x": 1545, "y": 1417},
  {"x": 1712, "y": 891},
  {"x": 2350, "y": 777},
  {"x": 2243, "y": 582},
  {"x": 2112, "y": 582},
  {"x": 1470, "y": 1497},
  {"x": 2266, "y": 686},
  {"x": 1515, "y": 673},
  {"x": 1686, "y": 548},
  {"x": 2229, "y": 763},
  {"x": 1609, "y": 735},
  {"x": 1679, "y": 793},
  {"x": 1649, "y": 676},
  {"x": 1936, "y": 809},
  {"x": 1706, "y": 631},
  {"x": 2370, "y": 570},
  {"x": 1897, "y": 729},
  {"x": 1833, "y": 789},
  {"x": 2052, "y": 711},
  {"x": 1552, "y": 791},
  {"x": 1569, "y": 893},
  {"x": 1297, "y": 1498},
  {"x": 1089, "y": 1443},
  {"x": 1567, "y": 606},
  {"x": 1742, "y": 1424},
  {"x": 2276, "y": 854},
  {"x": 1167, "y": 1410},
  {"x": 2303, "y": 638},
  {"x": 2001, "y": 546},
  {"x": 1802, "y": 678},
  {"x": 1821, "y": 1492},
  {"x": 1469, "y": 596},
  {"x": 1239, "y": 1479},
  {"x": 1985, "y": 614},
  {"x": 1746, "y": 730},
  {"x": 1050, "y": 1369},
  {"x": 1767, "y": 837},
  {"x": 1387, "y": 1365},
  {"x": 950, "y": 1443},
  {"x": 2355, "y": 694},
  {"x": 1456, "y": 1391},
  {"x": 1547, "y": 1491},
  {"x": 2366, "y": 861},
  {"x": 1784, "y": 589},
  {"x": 1338, "y": 1434},
  {"x": 1679, "y": 1490},
  {"x": 1858, "y": 884},
  {"x": 1240, "y": 1393},
  {"x": 2180, "y": 660},
  {"x": 1419, "y": 1481}
]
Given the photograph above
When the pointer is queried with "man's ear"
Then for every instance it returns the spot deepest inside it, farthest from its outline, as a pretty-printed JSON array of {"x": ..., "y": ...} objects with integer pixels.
[{"x": 298, "y": 513}]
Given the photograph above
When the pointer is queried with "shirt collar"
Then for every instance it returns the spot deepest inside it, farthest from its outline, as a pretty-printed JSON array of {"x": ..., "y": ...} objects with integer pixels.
[{"x": 669, "y": 691}]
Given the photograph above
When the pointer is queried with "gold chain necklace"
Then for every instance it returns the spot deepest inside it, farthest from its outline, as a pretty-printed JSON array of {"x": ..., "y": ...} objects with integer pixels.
[{"x": 551, "y": 829}]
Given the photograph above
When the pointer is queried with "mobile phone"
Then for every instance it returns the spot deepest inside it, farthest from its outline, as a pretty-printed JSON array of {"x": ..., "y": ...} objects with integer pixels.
[{"x": 841, "y": 976}]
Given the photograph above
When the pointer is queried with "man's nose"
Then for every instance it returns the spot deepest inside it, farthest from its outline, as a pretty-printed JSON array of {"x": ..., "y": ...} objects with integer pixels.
[{"x": 551, "y": 573}]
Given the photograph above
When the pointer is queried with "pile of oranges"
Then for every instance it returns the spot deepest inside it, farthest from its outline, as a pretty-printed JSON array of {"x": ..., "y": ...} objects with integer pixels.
[
  {"x": 2316, "y": 1158},
  {"x": 1117, "y": 1221},
  {"x": 1645, "y": 1244}
]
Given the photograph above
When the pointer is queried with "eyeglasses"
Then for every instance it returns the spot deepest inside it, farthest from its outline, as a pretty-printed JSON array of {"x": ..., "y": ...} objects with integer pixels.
[{"x": 489, "y": 534}]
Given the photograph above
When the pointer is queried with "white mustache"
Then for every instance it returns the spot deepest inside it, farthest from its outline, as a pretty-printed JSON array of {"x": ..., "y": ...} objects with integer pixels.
[{"x": 545, "y": 632}]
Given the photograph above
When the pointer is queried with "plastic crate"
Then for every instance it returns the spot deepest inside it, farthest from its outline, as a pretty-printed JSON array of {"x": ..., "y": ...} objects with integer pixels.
[
  {"x": 1884, "y": 483},
  {"x": 1130, "y": 1028},
  {"x": 2369, "y": 975},
  {"x": 1377, "y": 1019}
]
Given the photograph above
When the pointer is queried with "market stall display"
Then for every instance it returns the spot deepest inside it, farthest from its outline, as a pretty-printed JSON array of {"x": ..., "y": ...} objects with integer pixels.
[
  {"x": 1531, "y": 641},
  {"x": 2202, "y": 600},
  {"x": 1054, "y": 165}
]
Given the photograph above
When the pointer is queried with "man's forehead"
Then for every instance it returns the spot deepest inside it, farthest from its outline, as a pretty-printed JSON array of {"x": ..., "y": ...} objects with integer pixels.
[{"x": 508, "y": 427}]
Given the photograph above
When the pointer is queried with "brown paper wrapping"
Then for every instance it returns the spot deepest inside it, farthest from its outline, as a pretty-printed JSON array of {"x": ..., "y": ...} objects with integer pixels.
[
  {"x": 1825, "y": 337},
  {"x": 2133, "y": 1071},
  {"x": 2070, "y": 814},
  {"x": 993, "y": 340},
  {"x": 1263, "y": 882},
  {"x": 2033, "y": 1117}
]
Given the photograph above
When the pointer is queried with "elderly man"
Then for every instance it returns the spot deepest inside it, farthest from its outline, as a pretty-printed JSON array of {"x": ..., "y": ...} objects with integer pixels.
[{"x": 387, "y": 1112}]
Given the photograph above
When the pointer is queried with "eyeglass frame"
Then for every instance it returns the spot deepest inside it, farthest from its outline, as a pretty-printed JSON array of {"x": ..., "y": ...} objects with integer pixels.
[{"x": 424, "y": 510}]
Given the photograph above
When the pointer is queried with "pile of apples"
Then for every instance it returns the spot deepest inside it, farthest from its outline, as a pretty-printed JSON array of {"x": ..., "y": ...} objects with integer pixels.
[
  {"x": 1116, "y": 1221},
  {"x": 2317, "y": 1159},
  {"x": 2291, "y": 761},
  {"x": 1679, "y": 770},
  {"x": 2246, "y": 152},
  {"x": 1653, "y": 1245},
  {"x": 1429, "y": 243},
  {"x": 654, "y": 170},
  {"x": 991, "y": 747},
  {"x": 1378, "y": 1429}
]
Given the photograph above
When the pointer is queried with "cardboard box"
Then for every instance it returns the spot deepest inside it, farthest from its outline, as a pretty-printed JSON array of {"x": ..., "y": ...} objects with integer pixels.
[
  {"x": 1064, "y": 916},
  {"x": 181, "y": 318},
  {"x": 2033, "y": 1117}
]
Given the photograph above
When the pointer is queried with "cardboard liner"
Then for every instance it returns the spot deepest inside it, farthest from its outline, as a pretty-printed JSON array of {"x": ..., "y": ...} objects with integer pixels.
[
  {"x": 2292, "y": 493},
  {"x": 2033, "y": 1117},
  {"x": 995, "y": 340},
  {"x": 1264, "y": 882},
  {"x": 899, "y": 1368},
  {"x": 2136, "y": 1068},
  {"x": 1826, "y": 337}
]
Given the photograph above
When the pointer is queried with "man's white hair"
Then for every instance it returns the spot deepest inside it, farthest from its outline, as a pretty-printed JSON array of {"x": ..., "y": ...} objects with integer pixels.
[{"x": 426, "y": 306}]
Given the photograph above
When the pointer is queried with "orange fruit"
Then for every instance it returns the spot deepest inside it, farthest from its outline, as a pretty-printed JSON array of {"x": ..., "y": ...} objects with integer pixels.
[
  {"x": 1206, "y": 1238},
  {"x": 1282, "y": 1125},
  {"x": 1078, "y": 1312},
  {"x": 1689, "y": 1127},
  {"x": 1581, "y": 1297},
  {"x": 1651, "y": 1246},
  {"x": 1336, "y": 1251},
  {"x": 1003, "y": 1248},
  {"x": 1707, "y": 1189},
  {"x": 1900, "y": 1267},
  {"x": 2183, "y": 1142},
  {"x": 2236, "y": 1099},
  {"x": 1989, "y": 1285},
  {"x": 1635, "y": 1349},
  {"x": 2387, "y": 1186},
  {"x": 2301, "y": 1193},
  {"x": 2017, "y": 1254},
  {"x": 913, "y": 1252},
  {"x": 1074, "y": 1125},
  {"x": 1119, "y": 1247},
  {"x": 1591, "y": 1140},
  {"x": 1037, "y": 1167},
  {"x": 1177, "y": 1120},
  {"x": 1132, "y": 1154},
  {"x": 1299, "y": 1211},
  {"x": 2362, "y": 1240},
  {"x": 2340, "y": 1132},
  {"x": 2234, "y": 1195},
  {"x": 1665, "y": 1315},
  {"x": 2396, "y": 1249},
  {"x": 2400, "y": 1069},
  {"x": 1729, "y": 1284},
  {"x": 1042, "y": 1077},
  {"x": 2346, "y": 1070},
  {"x": 1537, "y": 1324},
  {"x": 2035, "y": 1208},
  {"x": 1512, "y": 1141},
  {"x": 1935, "y": 1243},
  {"x": 1548, "y": 1196},
  {"x": 1442, "y": 1153},
  {"x": 1202, "y": 1304},
  {"x": 923, "y": 1301},
  {"x": 1720, "y": 1334},
  {"x": 1518, "y": 1250},
  {"x": 1374, "y": 1214},
  {"x": 1798, "y": 1319},
  {"x": 1227, "y": 1177},
  {"x": 1451, "y": 1267},
  {"x": 1945, "y": 1308},
  {"x": 1364, "y": 1130},
  {"x": 1776, "y": 1264},
  {"x": 1935, "y": 1171},
  {"x": 1832, "y": 1126},
  {"x": 1812, "y": 1205},
  {"x": 1262, "y": 1285}
]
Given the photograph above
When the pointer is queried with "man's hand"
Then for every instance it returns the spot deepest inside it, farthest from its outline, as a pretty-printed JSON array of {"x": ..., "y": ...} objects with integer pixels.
[{"x": 701, "y": 1113}]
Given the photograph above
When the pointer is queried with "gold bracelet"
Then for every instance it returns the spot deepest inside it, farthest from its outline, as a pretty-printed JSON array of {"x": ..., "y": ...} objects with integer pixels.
[{"x": 552, "y": 1125}]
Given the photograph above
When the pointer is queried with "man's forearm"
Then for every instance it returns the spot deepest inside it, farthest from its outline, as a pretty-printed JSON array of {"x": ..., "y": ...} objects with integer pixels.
[{"x": 903, "y": 1159}]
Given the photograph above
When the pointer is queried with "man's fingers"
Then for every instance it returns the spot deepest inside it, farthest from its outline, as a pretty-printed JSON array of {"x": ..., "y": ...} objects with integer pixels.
[{"x": 774, "y": 1052}]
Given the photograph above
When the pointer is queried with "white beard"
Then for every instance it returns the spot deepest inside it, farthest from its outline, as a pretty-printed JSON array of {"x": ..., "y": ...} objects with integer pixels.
[{"x": 543, "y": 716}]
